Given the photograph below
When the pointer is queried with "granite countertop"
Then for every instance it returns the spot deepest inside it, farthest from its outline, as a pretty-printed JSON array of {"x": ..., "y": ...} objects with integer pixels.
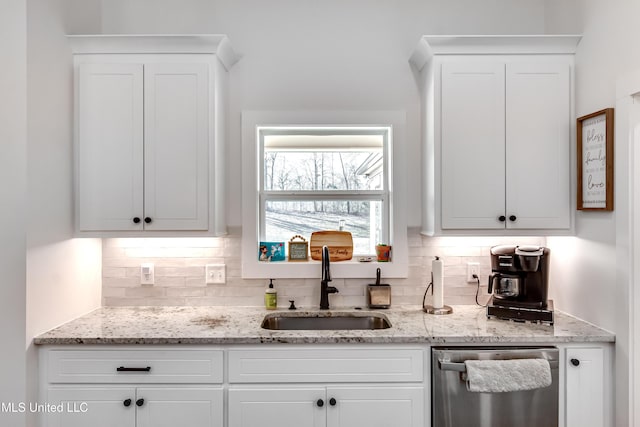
[{"x": 241, "y": 325}]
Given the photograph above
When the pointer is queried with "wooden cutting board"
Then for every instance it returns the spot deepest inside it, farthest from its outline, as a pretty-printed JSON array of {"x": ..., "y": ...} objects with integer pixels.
[{"x": 340, "y": 245}]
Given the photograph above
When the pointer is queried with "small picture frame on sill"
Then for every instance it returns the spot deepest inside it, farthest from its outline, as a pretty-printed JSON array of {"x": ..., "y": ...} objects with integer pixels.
[
  {"x": 298, "y": 249},
  {"x": 271, "y": 251},
  {"x": 595, "y": 161}
]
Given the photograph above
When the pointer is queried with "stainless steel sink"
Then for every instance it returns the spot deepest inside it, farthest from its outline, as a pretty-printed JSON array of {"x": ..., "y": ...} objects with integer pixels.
[{"x": 325, "y": 321}]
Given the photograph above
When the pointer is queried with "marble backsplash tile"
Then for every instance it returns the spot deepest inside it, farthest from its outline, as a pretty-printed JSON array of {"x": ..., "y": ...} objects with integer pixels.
[{"x": 180, "y": 273}]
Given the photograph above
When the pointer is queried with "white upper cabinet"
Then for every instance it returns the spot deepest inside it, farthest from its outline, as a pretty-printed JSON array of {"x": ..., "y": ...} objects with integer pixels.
[
  {"x": 497, "y": 117},
  {"x": 110, "y": 146},
  {"x": 176, "y": 146},
  {"x": 473, "y": 149},
  {"x": 538, "y": 141},
  {"x": 150, "y": 133}
]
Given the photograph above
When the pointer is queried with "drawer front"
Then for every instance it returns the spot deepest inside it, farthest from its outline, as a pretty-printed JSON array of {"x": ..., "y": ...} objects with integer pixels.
[
  {"x": 326, "y": 365},
  {"x": 135, "y": 366}
]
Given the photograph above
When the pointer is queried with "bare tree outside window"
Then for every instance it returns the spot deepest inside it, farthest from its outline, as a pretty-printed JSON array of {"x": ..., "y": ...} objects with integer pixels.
[{"x": 312, "y": 182}]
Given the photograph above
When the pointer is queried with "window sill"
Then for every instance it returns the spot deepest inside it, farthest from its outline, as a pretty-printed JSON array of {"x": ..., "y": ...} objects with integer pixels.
[{"x": 352, "y": 269}]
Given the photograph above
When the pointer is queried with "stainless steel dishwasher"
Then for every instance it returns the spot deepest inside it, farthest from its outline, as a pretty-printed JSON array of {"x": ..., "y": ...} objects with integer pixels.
[{"x": 454, "y": 406}]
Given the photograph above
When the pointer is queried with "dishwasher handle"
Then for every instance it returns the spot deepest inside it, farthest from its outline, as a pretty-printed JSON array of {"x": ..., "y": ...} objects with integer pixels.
[{"x": 445, "y": 365}]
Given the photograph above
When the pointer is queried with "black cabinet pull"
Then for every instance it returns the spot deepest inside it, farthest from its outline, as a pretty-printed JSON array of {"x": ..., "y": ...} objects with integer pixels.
[
  {"x": 127, "y": 402},
  {"x": 136, "y": 220},
  {"x": 575, "y": 362},
  {"x": 320, "y": 403},
  {"x": 512, "y": 218},
  {"x": 502, "y": 218},
  {"x": 147, "y": 220},
  {"x": 332, "y": 402},
  {"x": 123, "y": 369},
  {"x": 140, "y": 402}
]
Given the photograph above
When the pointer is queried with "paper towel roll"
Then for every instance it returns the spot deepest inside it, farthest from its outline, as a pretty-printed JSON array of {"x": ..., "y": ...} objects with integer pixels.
[{"x": 438, "y": 283}]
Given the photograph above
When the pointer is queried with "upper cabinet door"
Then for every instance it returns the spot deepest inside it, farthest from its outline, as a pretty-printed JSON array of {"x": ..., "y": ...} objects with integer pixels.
[
  {"x": 538, "y": 127},
  {"x": 109, "y": 150},
  {"x": 473, "y": 143},
  {"x": 176, "y": 146}
]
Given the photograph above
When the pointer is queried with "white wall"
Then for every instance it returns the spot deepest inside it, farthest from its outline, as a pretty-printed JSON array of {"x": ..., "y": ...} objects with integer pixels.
[
  {"x": 13, "y": 179},
  {"x": 63, "y": 274},
  {"x": 589, "y": 290},
  {"x": 331, "y": 54}
]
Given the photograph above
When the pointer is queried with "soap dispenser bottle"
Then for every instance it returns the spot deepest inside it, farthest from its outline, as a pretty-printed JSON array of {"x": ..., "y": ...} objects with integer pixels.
[{"x": 270, "y": 297}]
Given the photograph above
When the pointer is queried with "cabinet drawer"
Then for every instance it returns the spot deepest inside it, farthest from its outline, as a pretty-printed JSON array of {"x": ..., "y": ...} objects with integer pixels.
[
  {"x": 135, "y": 366},
  {"x": 326, "y": 365}
]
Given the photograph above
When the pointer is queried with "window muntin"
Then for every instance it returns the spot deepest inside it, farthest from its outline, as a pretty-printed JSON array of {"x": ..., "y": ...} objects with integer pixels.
[{"x": 324, "y": 178}]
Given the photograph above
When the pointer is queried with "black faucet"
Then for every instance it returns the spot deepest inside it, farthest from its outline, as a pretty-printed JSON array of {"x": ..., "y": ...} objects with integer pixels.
[{"x": 325, "y": 289}]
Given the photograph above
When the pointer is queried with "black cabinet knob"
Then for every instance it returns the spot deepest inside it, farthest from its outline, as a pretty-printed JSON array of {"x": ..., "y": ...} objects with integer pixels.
[
  {"x": 136, "y": 220},
  {"x": 332, "y": 402},
  {"x": 127, "y": 402},
  {"x": 575, "y": 362},
  {"x": 140, "y": 402},
  {"x": 320, "y": 403},
  {"x": 147, "y": 220},
  {"x": 512, "y": 218},
  {"x": 502, "y": 218}
]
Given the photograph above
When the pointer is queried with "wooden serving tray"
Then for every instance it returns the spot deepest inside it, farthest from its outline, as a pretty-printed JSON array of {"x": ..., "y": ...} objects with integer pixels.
[{"x": 340, "y": 245}]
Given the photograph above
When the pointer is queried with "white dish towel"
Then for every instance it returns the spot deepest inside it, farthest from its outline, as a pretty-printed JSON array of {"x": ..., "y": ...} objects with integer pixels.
[{"x": 498, "y": 376}]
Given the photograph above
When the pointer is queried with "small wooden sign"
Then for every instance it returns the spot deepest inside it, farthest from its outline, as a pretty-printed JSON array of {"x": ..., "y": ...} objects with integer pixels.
[
  {"x": 298, "y": 250},
  {"x": 595, "y": 161}
]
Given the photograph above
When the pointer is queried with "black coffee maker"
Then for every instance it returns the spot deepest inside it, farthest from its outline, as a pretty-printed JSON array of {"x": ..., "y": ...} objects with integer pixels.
[{"x": 519, "y": 283}]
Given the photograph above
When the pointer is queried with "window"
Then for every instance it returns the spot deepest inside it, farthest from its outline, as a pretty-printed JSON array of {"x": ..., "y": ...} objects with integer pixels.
[
  {"x": 305, "y": 171},
  {"x": 325, "y": 178}
]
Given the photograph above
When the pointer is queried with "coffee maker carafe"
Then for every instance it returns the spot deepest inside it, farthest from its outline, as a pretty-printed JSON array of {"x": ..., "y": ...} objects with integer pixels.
[{"x": 519, "y": 282}]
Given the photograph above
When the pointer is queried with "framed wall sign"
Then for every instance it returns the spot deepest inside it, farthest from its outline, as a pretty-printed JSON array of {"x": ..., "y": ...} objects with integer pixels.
[
  {"x": 298, "y": 249},
  {"x": 595, "y": 161}
]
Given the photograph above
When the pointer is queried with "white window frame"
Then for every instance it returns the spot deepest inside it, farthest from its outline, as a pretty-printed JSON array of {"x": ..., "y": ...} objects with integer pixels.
[{"x": 253, "y": 125}]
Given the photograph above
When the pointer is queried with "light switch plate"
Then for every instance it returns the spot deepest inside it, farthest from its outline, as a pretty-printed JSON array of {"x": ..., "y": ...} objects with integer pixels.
[
  {"x": 215, "y": 273},
  {"x": 147, "y": 274}
]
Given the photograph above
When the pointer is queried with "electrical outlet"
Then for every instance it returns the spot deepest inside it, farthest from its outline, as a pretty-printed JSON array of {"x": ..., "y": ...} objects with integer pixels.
[
  {"x": 215, "y": 273},
  {"x": 473, "y": 268},
  {"x": 147, "y": 274}
]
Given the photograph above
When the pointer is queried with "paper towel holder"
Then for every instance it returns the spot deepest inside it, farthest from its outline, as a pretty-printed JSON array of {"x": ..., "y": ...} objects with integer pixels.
[{"x": 430, "y": 309}]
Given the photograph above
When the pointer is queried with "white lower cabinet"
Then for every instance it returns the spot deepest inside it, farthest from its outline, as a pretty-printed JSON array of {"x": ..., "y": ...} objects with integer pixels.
[
  {"x": 377, "y": 406},
  {"x": 136, "y": 407},
  {"x": 324, "y": 386},
  {"x": 337, "y": 406},
  {"x": 284, "y": 385},
  {"x": 277, "y": 406},
  {"x": 118, "y": 386},
  {"x": 95, "y": 407},
  {"x": 587, "y": 390}
]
